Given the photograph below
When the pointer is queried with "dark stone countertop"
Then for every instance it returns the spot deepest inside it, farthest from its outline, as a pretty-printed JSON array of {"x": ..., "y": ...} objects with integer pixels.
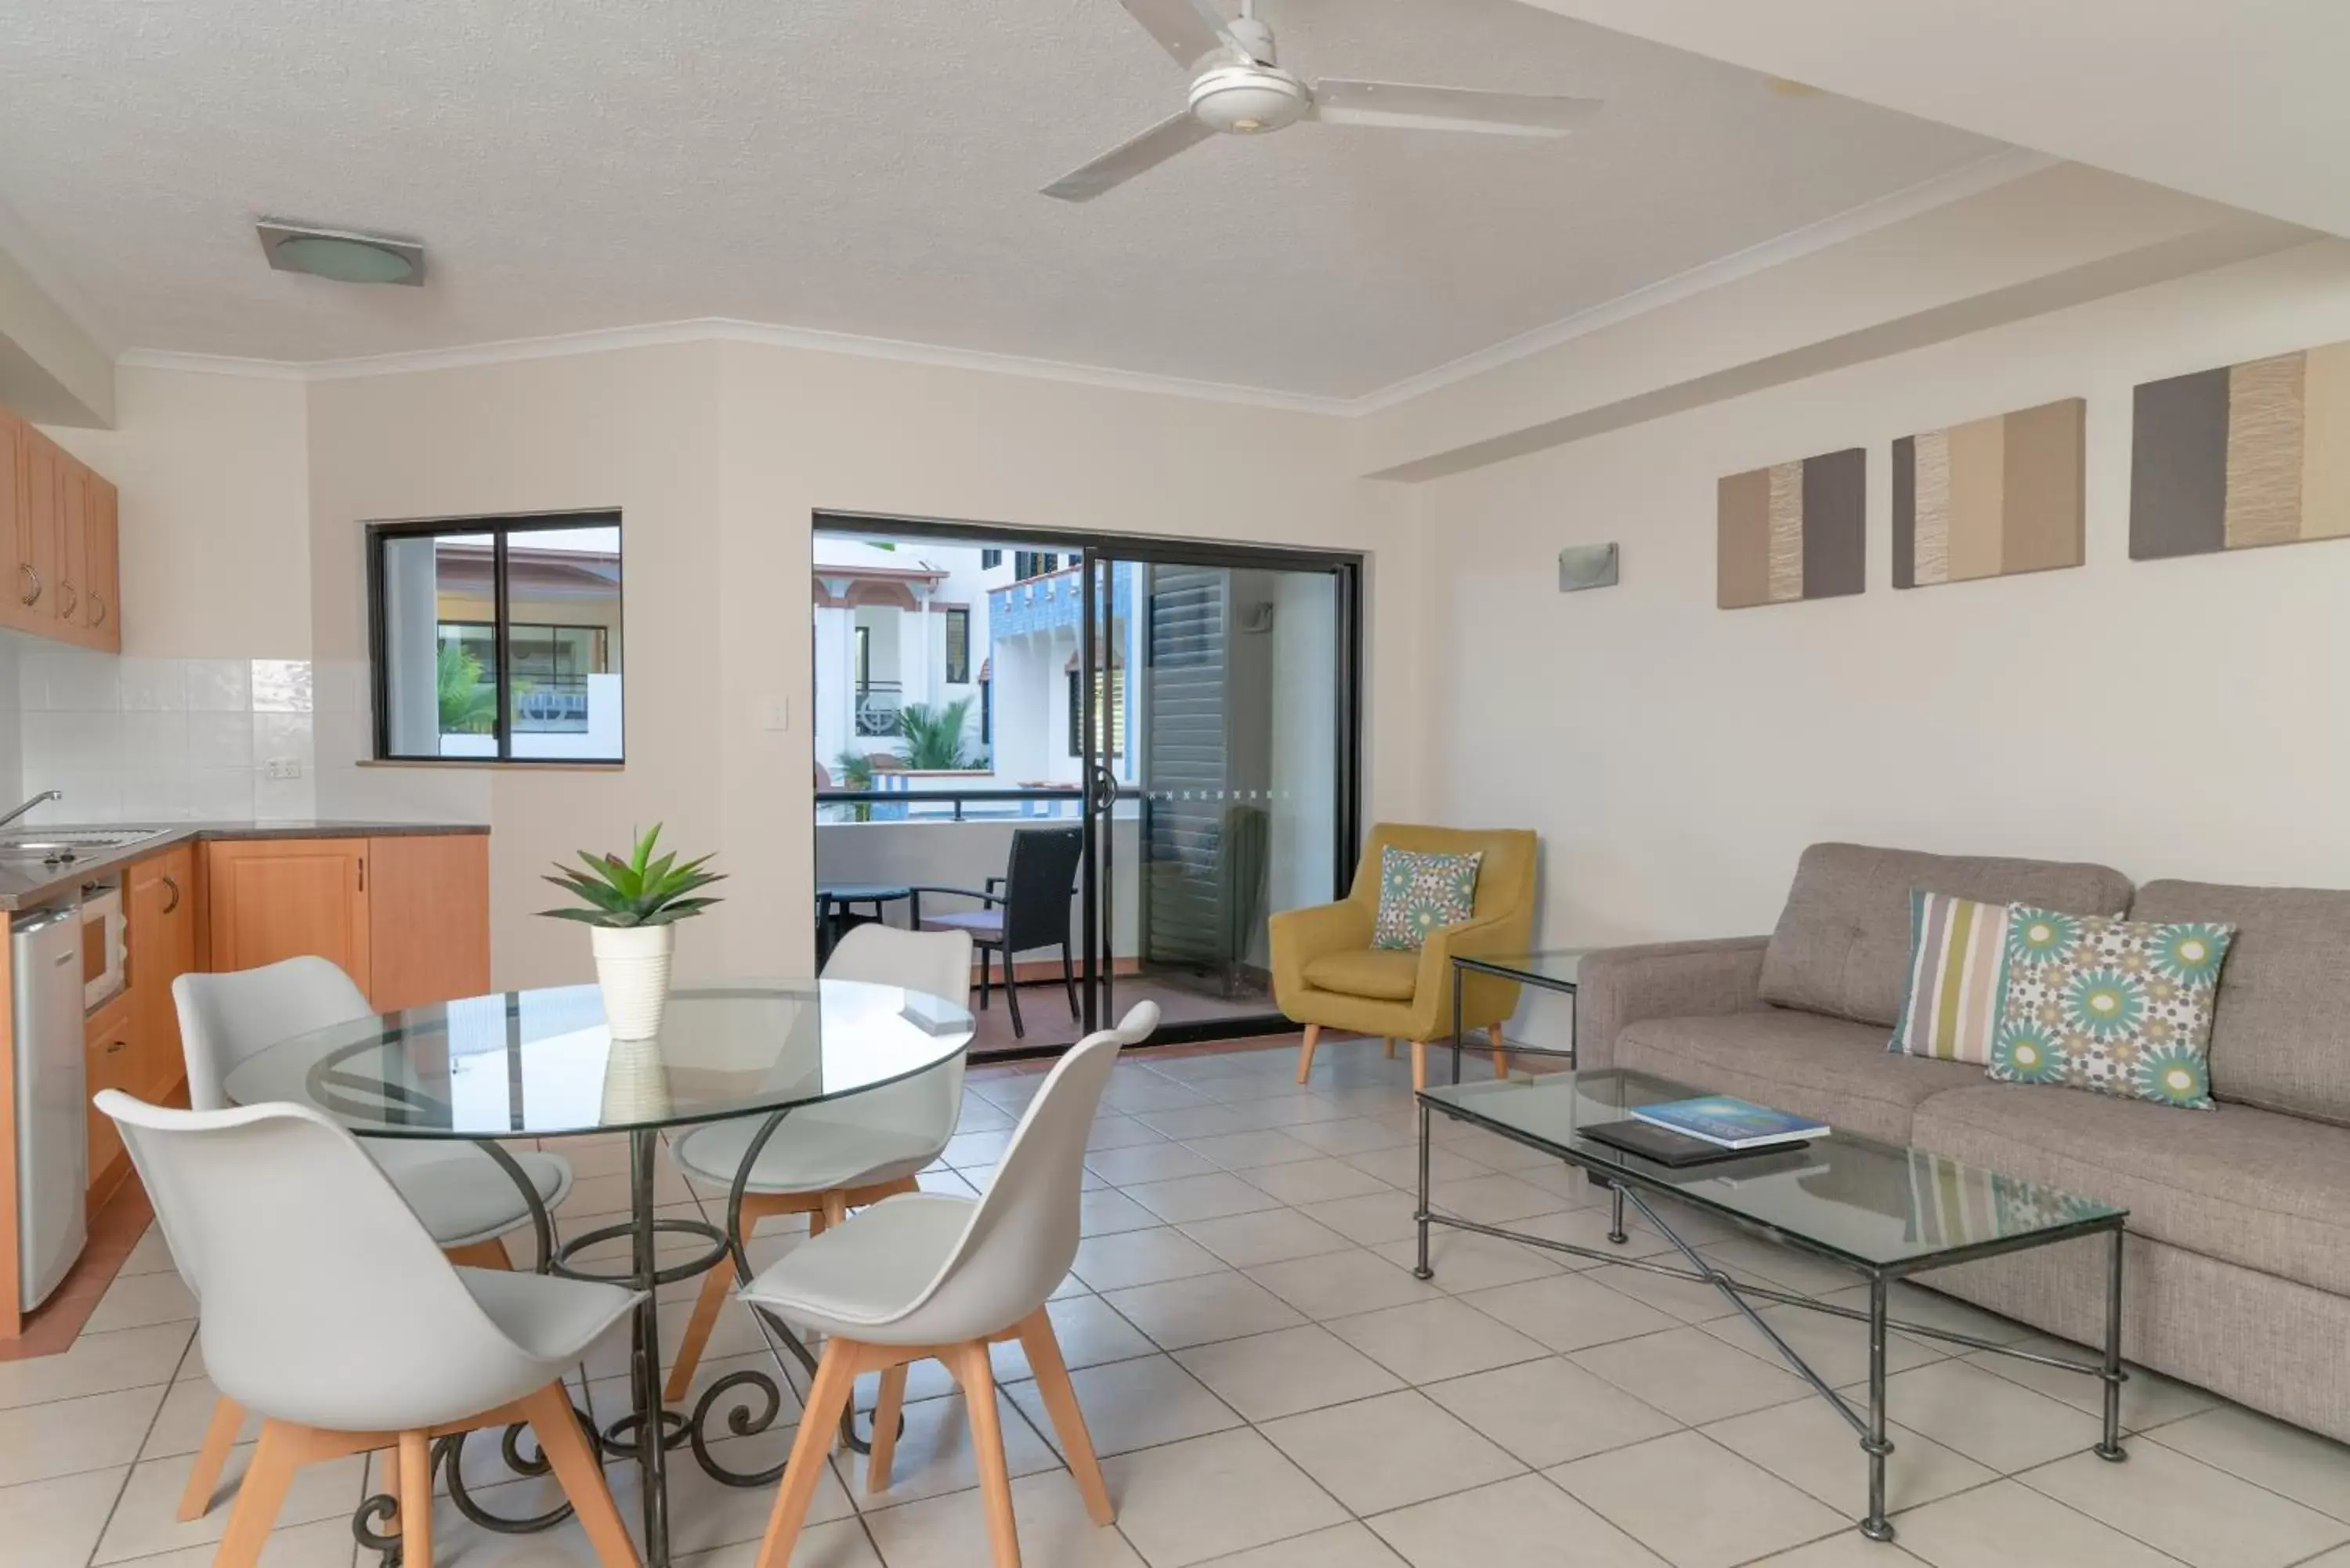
[{"x": 25, "y": 883}]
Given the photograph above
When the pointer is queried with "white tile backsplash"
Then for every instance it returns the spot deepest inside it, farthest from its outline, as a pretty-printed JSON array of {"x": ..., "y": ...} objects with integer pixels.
[
  {"x": 154, "y": 685},
  {"x": 220, "y": 740},
  {"x": 220, "y": 685},
  {"x": 281, "y": 686}
]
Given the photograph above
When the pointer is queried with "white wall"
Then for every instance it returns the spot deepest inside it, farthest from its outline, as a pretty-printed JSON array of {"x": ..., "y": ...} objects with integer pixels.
[{"x": 2180, "y": 718}]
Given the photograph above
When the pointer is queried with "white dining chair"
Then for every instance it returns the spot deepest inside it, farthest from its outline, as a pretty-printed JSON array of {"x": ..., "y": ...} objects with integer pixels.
[
  {"x": 843, "y": 1153},
  {"x": 929, "y": 1275},
  {"x": 462, "y": 1197},
  {"x": 326, "y": 1309}
]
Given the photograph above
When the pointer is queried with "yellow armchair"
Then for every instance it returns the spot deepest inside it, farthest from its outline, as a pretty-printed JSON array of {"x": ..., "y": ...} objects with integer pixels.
[{"x": 1326, "y": 975}]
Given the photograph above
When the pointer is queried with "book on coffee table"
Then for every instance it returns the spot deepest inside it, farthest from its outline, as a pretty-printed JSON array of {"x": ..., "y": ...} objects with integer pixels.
[{"x": 1727, "y": 1122}]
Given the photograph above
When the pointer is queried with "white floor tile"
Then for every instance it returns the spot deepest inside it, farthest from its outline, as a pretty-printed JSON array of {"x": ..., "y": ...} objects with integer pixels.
[
  {"x": 1162, "y": 1496},
  {"x": 1990, "y": 1420},
  {"x": 1142, "y": 1258},
  {"x": 934, "y": 1453},
  {"x": 1249, "y": 1150},
  {"x": 1569, "y": 1312},
  {"x": 1389, "y": 1451},
  {"x": 1550, "y": 1412},
  {"x": 145, "y": 1520},
  {"x": 57, "y": 1521},
  {"x": 1834, "y": 1347},
  {"x": 1691, "y": 1375},
  {"x": 1349, "y": 1545},
  {"x": 1373, "y": 1218},
  {"x": 952, "y": 1532},
  {"x": 2008, "y": 1525},
  {"x": 1090, "y": 1331},
  {"x": 1341, "y": 1283},
  {"x": 1131, "y": 1404},
  {"x": 1356, "y": 1135},
  {"x": 1425, "y": 1342},
  {"x": 1495, "y": 1200},
  {"x": 1321, "y": 1179},
  {"x": 1523, "y": 1523},
  {"x": 2300, "y": 1465},
  {"x": 1463, "y": 1260},
  {"x": 96, "y": 1432},
  {"x": 1106, "y": 1212},
  {"x": 1271, "y": 1236},
  {"x": 1139, "y": 1163},
  {"x": 96, "y": 1364},
  {"x": 1201, "y": 1196},
  {"x": 2182, "y": 1505},
  {"x": 1203, "y": 1308},
  {"x": 2149, "y": 1398},
  {"x": 1809, "y": 1445},
  {"x": 1267, "y": 1375},
  {"x": 1695, "y": 1503}
]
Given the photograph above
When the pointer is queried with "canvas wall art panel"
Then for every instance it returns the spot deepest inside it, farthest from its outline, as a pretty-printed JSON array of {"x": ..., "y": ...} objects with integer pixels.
[
  {"x": 2256, "y": 453},
  {"x": 1990, "y": 498},
  {"x": 1793, "y": 531}
]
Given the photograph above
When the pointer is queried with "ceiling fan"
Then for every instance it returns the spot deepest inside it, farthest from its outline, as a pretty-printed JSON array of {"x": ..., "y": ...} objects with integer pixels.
[{"x": 1241, "y": 89}]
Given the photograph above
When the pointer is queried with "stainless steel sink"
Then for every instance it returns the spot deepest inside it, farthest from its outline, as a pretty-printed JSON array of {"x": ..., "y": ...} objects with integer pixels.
[{"x": 63, "y": 844}]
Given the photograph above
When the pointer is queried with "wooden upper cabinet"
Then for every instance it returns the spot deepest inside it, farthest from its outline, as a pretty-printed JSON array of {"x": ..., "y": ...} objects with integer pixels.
[
  {"x": 273, "y": 899},
  {"x": 30, "y": 603},
  {"x": 101, "y": 605},
  {"x": 428, "y": 918},
  {"x": 73, "y": 550}
]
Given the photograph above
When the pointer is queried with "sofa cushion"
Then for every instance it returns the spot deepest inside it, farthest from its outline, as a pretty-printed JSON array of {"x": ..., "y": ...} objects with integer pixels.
[
  {"x": 1382, "y": 973},
  {"x": 1843, "y": 943},
  {"x": 2247, "y": 1186},
  {"x": 2281, "y": 1030},
  {"x": 1801, "y": 1063}
]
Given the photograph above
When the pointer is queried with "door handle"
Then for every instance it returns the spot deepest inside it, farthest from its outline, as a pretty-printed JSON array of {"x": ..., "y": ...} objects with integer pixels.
[
  {"x": 31, "y": 593},
  {"x": 72, "y": 598},
  {"x": 175, "y": 894}
]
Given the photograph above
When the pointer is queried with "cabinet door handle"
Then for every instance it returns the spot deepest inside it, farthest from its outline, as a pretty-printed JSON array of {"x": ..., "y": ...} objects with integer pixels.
[
  {"x": 113, "y": 1046},
  {"x": 31, "y": 592},
  {"x": 97, "y": 609},
  {"x": 72, "y": 598},
  {"x": 362, "y": 875},
  {"x": 175, "y": 894}
]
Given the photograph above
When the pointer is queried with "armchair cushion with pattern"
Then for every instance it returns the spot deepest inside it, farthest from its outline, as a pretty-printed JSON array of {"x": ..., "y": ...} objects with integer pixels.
[{"x": 1328, "y": 975}]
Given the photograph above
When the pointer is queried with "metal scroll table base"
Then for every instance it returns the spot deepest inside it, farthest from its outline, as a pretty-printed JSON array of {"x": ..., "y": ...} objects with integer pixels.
[
  {"x": 751, "y": 1398},
  {"x": 1869, "y": 1423}
]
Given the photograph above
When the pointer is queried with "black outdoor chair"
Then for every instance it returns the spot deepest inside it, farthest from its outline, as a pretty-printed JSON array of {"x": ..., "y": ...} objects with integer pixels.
[{"x": 1032, "y": 910}]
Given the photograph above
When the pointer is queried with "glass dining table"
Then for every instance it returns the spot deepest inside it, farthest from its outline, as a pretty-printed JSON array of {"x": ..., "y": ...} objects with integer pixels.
[{"x": 540, "y": 1065}]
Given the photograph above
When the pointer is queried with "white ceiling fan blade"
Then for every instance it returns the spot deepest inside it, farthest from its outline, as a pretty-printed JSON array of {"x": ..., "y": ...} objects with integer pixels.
[
  {"x": 1409, "y": 106},
  {"x": 1123, "y": 162},
  {"x": 1191, "y": 30}
]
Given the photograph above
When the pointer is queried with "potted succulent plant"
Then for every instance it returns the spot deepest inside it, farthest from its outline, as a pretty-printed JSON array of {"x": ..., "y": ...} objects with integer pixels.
[{"x": 632, "y": 906}]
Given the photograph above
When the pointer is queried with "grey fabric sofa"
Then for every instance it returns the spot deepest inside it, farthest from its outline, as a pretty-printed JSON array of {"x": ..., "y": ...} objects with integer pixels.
[{"x": 2236, "y": 1272}]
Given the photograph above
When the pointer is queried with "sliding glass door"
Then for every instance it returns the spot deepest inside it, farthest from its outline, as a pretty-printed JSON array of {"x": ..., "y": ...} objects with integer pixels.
[
  {"x": 1148, "y": 747},
  {"x": 1216, "y": 705}
]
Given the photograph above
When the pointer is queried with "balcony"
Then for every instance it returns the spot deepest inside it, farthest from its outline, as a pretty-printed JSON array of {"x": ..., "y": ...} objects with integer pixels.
[{"x": 877, "y": 705}]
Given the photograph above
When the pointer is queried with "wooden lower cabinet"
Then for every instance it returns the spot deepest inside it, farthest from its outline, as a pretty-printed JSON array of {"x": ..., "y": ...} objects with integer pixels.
[
  {"x": 161, "y": 897},
  {"x": 406, "y": 916},
  {"x": 273, "y": 899},
  {"x": 108, "y": 1037}
]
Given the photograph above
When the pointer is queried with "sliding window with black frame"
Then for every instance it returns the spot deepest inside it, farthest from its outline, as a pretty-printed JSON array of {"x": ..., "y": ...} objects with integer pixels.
[{"x": 497, "y": 639}]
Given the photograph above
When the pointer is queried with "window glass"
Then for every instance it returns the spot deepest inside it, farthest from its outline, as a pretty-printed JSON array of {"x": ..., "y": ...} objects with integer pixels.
[
  {"x": 499, "y": 641},
  {"x": 957, "y": 647}
]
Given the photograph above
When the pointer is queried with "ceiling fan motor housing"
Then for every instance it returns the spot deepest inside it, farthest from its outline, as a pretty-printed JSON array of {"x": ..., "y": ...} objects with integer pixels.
[{"x": 1248, "y": 99}]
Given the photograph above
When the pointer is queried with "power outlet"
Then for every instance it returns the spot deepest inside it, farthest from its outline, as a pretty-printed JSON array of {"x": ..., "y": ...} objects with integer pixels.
[{"x": 282, "y": 768}]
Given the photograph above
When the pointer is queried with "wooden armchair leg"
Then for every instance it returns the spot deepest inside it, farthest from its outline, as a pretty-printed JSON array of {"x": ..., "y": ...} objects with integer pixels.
[
  {"x": 1418, "y": 1065},
  {"x": 888, "y": 1411},
  {"x": 1387, "y": 1043},
  {"x": 416, "y": 1498},
  {"x": 581, "y": 1475},
  {"x": 220, "y": 1437},
  {"x": 835, "y": 1380},
  {"x": 976, "y": 1373},
  {"x": 1500, "y": 1051},
  {"x": 1306, "y": 1052},
  {"x": 706, "y": 1308},
  {"x": 1060, "y": 1396},
  {"x": 261, "y": 1493}
]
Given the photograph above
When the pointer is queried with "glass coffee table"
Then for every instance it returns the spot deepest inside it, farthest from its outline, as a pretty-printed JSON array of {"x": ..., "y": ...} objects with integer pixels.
[{"x": 1883, "y": 1211}]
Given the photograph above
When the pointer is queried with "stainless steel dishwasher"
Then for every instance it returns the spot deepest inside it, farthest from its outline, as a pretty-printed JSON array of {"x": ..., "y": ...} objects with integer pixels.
[{"x": 52, "y": 1098}]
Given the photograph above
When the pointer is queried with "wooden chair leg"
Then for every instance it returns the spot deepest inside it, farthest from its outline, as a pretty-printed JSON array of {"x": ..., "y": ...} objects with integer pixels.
[
  {"x": 1306, "y": 1052},
  {"x": 706, "y": 1308},
  {"x": 886, "y": 1412},
  {"x": 220, "y": 1437},
  {"x": 1060, "y": 1395},
  {"x": 260, "y": 1494},
  {"x": 415, "y": 1499},
  {"x": 836, "y": 1378},
  {"x": 566, "y": 1447},
  {"x": 1418, "y": 1065},
  {"x": 976, "y": 1373},
  {"x": 489, "y": 1255},
  {"x": 1500, "y": 1051},
  {"x": 1388, "y": 1042}
]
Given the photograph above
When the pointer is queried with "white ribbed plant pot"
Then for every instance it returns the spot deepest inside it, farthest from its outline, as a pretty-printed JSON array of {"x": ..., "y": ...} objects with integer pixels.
[{"x": 633, "y": 966}]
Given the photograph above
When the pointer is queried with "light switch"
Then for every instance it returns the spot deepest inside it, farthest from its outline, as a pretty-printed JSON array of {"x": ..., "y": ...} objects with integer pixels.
[{"x": 777, "y": 713}]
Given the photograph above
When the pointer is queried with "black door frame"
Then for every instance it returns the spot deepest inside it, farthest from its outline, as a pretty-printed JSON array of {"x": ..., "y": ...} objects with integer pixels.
[{"x": 1346, "y": 570}]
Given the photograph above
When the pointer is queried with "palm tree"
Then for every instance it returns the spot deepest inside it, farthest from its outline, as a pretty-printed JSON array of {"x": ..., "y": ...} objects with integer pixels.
[
  {"x": 933, "y": 737},
  {"x": 856, "y": 770},
  {"x": 467, "y": 707}
]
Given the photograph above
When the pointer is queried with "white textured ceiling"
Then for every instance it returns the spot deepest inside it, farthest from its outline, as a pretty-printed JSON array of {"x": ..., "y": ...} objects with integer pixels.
[
  {"x": 870, "y": 167},
  {"x": 2240, "y": 101}
]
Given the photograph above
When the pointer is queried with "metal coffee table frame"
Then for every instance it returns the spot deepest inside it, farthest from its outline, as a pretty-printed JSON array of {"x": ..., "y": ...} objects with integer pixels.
[
  {"x": 1626, "y": 1184},
  {"x": 1509, "y": 968}
]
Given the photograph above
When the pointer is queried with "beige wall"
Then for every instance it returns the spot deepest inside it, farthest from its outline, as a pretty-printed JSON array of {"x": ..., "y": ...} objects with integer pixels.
[
  {"x": 717, "y": 455},
  {"x": 214, "y": 513},
  {"x": 2179, "y": 718}
]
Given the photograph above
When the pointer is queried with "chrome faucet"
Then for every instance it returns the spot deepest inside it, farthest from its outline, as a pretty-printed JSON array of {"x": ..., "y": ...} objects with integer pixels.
[{"x": 46, "y": 795}]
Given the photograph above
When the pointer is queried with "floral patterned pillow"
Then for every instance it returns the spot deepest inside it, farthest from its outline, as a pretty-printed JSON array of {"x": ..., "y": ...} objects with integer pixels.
[
  {"x": 2119, "y": 1007},
  {"x": 1420, "y": 890}
]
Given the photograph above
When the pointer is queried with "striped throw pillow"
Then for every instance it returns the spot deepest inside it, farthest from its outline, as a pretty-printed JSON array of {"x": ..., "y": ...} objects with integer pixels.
[{"x": 1957, "y": 979}]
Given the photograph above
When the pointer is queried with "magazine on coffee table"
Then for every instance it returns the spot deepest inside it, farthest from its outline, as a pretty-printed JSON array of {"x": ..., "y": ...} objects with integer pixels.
[{"x": 1727, "y": 1122}]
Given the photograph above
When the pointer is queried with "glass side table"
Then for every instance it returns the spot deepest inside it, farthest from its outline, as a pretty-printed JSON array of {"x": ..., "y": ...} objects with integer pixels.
[{"x": 1553, "y": 970}]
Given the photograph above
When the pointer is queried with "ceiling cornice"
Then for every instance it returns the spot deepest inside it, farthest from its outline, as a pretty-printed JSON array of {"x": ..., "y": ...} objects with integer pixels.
[{"x": 1968, "y": 181}]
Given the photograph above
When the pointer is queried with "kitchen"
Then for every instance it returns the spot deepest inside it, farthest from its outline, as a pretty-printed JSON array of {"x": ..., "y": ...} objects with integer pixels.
[{"x": 114, "y": 887}]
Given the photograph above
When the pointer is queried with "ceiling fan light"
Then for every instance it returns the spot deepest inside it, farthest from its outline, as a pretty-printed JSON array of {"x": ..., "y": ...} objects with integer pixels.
[{"x": 1248, "y": 99}]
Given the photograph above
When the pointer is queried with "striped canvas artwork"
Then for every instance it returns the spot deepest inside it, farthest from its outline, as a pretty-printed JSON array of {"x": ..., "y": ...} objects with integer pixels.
[
  {"x": 1990, "y": 498},
  {"x": 1792, "y": 531},
  {"x": 2258, "y": 454},
  {"x": 1957, "y": 979}
]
